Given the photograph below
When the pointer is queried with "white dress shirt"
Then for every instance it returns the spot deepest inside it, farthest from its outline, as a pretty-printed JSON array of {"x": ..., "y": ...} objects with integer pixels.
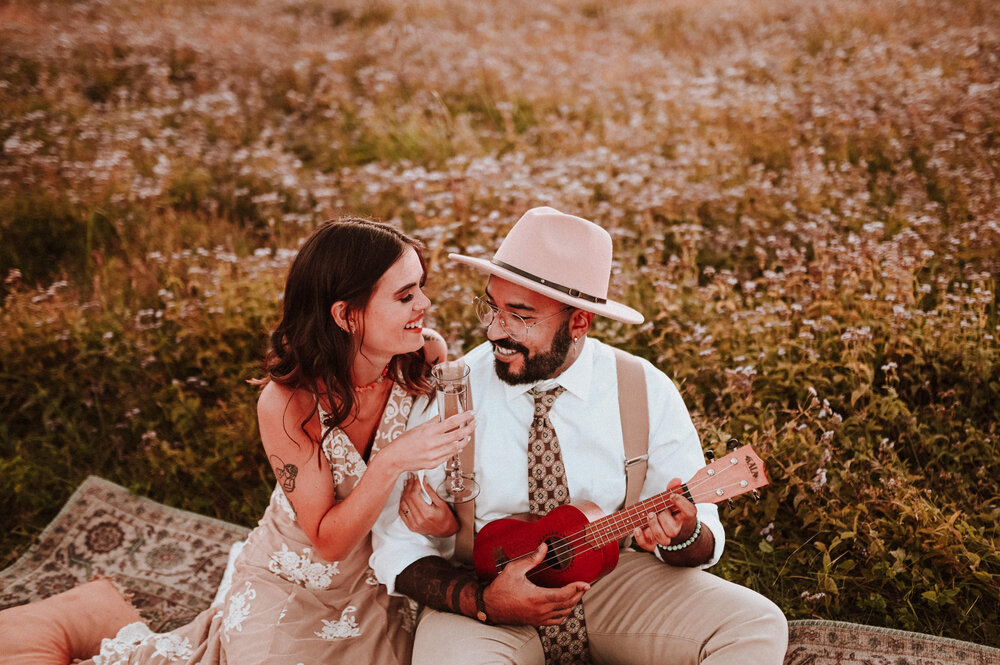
[{"x": 588, "y": 424}]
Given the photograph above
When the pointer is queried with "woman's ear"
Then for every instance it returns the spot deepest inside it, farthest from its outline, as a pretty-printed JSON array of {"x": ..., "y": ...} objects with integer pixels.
[{"x": 338, "y": 311}]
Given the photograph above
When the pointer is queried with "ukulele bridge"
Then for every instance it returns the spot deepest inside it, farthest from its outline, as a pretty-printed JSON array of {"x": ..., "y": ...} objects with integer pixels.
[{"x": 500, "y": 559}]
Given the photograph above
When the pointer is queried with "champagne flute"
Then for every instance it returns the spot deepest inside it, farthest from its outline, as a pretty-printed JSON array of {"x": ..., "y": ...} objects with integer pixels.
[{"x": 451, "y": 380}]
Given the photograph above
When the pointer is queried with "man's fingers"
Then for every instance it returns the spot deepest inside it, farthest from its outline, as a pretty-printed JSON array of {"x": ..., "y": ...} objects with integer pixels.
[
  {"x": 529, "y": 562},
  {"x": 643, "y": 539},
  {"x": 566, "y": 596},
  {"x": 656, "y": 529}
]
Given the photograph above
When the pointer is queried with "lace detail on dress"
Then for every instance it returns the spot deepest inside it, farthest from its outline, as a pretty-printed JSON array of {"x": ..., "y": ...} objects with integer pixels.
[
  {"x": 408, "y": 615},
  {"x": 394, "y": 418},
  {"x": 343, "y": 457},
  {"x": 282, "y": 502},
  {"x": 370, "y": 578},
  {"x": 345, "y": 461},
  {"x": 134, "y": 635},
  {"x": 239, "y": 610},
  {"x": 342, "y": 629},
  {"x": 302, "y": 569}
]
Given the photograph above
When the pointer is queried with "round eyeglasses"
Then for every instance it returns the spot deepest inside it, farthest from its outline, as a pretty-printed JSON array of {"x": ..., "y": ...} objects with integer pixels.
[{"x": 513, "y": 325}]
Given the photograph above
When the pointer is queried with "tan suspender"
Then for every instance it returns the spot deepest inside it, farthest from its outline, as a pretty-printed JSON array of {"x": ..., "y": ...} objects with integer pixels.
[{"x": 633, "y": 406}]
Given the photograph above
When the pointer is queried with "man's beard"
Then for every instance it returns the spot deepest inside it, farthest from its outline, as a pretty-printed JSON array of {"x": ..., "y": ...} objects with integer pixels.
[{"x": 536, "y": 368}]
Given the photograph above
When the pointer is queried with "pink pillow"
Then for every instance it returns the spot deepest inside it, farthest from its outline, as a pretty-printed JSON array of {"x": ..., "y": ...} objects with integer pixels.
[{"x": 64, "y": 627}]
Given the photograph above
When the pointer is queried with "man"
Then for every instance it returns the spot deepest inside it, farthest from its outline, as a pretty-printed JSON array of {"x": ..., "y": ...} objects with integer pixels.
[{"x": 547, "y": 412}]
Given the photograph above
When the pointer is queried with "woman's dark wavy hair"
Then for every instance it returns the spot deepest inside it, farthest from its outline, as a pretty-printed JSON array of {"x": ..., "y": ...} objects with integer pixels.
[{"x": 341, "y": 260}]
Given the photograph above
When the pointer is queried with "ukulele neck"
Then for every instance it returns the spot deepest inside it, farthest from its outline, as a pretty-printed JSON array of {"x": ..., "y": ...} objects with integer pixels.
[{"x": 617, "y": 525}]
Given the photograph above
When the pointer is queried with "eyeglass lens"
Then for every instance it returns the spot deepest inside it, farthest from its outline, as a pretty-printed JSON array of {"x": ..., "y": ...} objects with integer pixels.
[{"x": 510, "y": 323}]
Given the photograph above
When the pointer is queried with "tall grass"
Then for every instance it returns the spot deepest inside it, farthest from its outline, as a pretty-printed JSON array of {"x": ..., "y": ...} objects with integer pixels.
[{"x": 803, "y": 198}]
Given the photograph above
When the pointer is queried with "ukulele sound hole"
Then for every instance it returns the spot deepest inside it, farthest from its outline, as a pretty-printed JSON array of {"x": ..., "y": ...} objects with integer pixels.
[{"x": 559, "y": 554}]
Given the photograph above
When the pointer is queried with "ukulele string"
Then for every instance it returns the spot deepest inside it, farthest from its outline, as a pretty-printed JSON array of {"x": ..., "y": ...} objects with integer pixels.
[{"x": 577, "y": 541}]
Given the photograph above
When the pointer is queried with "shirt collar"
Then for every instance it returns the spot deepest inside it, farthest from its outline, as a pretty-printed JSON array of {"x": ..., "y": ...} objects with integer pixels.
[{"x": 576, "y": 379}]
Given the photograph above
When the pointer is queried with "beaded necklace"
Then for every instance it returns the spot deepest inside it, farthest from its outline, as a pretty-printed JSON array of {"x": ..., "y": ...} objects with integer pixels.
[{"x": 371, "y": 386}]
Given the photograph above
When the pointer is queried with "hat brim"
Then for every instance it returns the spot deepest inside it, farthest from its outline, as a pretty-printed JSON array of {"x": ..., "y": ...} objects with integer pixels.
[{"x": 610, "y": 308}]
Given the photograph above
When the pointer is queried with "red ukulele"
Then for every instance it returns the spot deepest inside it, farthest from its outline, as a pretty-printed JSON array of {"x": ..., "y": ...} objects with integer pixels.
[{"x": 583, "y": 542}]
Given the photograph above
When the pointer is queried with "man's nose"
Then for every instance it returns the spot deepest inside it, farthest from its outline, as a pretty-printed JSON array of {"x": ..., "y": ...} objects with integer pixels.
[{"x": 495, "y": 330}]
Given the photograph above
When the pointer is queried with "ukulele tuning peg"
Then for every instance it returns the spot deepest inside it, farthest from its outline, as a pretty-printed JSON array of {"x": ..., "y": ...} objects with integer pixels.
[
  {"x": 733, "y": 444},
  {"x": 755, "y": 494},
  {"x": 709, "y": 455}
]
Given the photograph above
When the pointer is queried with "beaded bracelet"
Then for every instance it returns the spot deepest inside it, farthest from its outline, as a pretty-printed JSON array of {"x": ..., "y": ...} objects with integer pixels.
[
  {"x": 686, "y": 543},
  {"x": 481, "y": 605}
]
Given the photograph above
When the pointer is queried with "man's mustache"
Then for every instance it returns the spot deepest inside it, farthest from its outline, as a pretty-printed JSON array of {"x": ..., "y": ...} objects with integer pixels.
[{"x": 510, "y": 345}]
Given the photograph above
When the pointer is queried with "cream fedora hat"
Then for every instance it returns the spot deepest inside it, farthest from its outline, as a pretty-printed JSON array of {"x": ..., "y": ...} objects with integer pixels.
[{"x": 560, "y": 256}]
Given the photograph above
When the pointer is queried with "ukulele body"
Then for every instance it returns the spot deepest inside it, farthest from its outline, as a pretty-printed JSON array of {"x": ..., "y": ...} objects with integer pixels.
[{"x": 572, "y": 555}]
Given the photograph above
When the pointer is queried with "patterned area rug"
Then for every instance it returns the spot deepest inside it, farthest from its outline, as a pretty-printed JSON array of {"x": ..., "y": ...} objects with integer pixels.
[
  {"x": 172, "y": 561},
  {"x": 838, "y": 643},
  {"x": 169, "y": 560}
]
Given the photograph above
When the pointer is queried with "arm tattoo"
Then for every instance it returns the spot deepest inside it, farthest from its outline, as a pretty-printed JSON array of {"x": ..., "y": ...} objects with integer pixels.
[
  {"x": 285, "y": 473},
  {"x": 440, "y": 585}
]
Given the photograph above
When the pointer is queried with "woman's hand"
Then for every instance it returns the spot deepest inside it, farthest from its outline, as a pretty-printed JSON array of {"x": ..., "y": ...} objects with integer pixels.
[
  {"x": 433, "y": 520},
  {"x": 428, "y": 445}
]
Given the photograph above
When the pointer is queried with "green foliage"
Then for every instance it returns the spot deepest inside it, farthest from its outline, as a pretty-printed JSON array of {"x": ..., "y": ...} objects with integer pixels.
[
  {"x": 148, "y": 389},
  {"x": 42, "y": 232}
]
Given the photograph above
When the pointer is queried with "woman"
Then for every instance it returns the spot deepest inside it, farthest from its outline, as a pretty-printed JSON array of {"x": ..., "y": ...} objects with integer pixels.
[{"x": 346, "y": 363}]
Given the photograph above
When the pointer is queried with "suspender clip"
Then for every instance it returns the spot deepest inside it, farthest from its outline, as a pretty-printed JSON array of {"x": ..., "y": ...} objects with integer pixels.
[{"x": 641, "y": 459}]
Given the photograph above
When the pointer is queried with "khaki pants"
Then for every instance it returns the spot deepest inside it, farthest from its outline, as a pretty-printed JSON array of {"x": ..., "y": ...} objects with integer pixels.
[{"x": 643, "y": 612}]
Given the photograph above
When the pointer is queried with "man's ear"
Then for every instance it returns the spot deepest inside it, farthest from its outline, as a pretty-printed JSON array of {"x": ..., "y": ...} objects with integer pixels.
[
  {"x": 579, "y": 323},
  {"x": 338, "y": 311}
]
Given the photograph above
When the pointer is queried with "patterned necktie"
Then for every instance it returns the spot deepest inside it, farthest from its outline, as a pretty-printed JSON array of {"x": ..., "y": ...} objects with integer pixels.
[{"x": 566, "y": 643}]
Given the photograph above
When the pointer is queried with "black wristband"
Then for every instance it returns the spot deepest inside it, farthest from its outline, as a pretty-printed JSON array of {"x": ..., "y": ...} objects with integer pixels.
[{"x": 456, "y": 597}]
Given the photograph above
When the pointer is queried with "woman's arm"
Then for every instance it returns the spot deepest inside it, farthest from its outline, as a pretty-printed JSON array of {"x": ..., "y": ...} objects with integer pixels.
[{"x": 335, "y": 529}]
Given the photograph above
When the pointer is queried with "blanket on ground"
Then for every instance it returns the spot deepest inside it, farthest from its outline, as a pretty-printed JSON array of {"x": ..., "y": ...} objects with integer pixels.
[{"x": 171, "y": 561}]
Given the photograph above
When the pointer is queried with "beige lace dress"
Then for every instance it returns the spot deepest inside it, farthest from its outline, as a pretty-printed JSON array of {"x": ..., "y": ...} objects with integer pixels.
[{"x": 287, "y": 605}]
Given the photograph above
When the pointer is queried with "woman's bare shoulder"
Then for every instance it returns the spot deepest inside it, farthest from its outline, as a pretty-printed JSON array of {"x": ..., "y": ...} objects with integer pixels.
[
  {"x": 281, "y": 410},
  {"x": 278, "y": 398}
]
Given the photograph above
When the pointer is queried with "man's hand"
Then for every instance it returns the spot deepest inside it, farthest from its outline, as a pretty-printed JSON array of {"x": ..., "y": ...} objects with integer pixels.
[
  {"x": 675, "y": 525},
  {"x": 666, "y": 528},
  {"x": 512, "y": 599}
]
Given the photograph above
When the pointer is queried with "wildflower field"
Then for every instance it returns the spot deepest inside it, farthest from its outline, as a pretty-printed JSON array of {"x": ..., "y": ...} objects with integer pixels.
[{"x": 803, "y": 195}]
